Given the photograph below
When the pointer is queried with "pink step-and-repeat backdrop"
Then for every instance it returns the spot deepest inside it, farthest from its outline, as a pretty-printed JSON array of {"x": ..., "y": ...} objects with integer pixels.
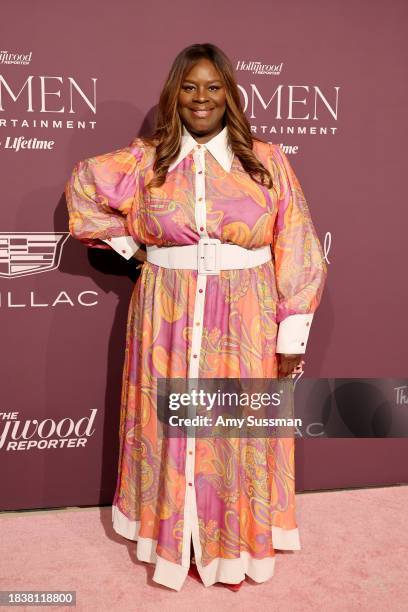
[{"x": 324, "y": 79}]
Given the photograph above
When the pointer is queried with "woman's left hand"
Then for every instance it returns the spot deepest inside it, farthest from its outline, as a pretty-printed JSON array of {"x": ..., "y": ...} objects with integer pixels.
[
  {"x": 140, "y": 255},
  {"x": 287, "y": 363}
]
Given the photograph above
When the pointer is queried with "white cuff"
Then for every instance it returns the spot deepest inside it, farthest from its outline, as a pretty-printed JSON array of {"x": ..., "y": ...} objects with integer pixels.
[
  {"x": 124, "y": 245},
  {"x": 293, "y": 333}
]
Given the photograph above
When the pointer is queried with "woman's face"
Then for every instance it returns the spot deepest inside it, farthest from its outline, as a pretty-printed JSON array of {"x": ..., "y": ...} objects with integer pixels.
[{"x": 202, "y": 101}]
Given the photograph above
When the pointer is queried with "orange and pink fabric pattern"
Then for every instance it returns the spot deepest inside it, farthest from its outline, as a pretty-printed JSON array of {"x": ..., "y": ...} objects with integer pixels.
[{"x": 245, "y": 493}]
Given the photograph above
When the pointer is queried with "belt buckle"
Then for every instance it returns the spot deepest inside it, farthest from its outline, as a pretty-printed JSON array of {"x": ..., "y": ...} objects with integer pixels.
[{"x": 209, "y": 256}]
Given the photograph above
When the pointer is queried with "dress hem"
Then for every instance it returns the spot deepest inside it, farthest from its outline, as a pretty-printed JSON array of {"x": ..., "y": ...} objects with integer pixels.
[{"x": 230, "y": 571}]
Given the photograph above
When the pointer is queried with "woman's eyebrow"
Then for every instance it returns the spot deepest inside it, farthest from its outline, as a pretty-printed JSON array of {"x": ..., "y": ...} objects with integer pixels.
[{"x": 195, "y": 82}]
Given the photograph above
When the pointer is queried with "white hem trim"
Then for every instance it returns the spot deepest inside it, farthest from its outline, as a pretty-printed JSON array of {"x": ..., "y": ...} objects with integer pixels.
[
  {"x": 285, "y": 539},
  {"x": 230, "y": 571},
  {"x": 124, "y": 526}
]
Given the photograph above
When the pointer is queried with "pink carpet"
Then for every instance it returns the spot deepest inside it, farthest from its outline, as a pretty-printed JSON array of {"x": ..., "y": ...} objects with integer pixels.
[{"x": 354, "y": 557}]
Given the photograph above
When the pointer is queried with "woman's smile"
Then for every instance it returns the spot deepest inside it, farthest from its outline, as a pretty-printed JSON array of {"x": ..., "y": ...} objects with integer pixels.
[{"x": 202, "y": 112}]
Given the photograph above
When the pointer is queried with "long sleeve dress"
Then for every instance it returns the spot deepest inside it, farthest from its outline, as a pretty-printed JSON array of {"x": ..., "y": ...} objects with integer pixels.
[{"x": 233, "y": 498}]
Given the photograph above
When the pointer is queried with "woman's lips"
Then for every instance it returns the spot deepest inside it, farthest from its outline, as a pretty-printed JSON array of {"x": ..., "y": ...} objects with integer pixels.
[{"x": 201, "y": 113}]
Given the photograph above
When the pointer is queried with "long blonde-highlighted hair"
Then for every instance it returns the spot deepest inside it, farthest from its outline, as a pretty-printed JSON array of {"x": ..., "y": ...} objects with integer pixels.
[{"x": 168, "y": 130}]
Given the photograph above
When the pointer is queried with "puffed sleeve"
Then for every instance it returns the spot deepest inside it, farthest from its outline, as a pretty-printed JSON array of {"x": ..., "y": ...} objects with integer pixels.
[
  {"x": 99, "y": 195},
  {"x": 300, "y": 266}
]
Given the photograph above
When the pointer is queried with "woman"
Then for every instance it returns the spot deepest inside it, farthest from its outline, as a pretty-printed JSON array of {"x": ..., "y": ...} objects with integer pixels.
[{"x": 204, "y": 176}]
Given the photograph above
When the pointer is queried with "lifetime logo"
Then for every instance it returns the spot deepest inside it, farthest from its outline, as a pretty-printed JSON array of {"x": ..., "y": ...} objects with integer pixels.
[{"x": 25, "y": 253}]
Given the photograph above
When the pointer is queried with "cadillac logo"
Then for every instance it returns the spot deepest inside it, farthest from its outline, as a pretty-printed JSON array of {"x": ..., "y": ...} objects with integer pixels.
[{"x": 30, "y": 253}]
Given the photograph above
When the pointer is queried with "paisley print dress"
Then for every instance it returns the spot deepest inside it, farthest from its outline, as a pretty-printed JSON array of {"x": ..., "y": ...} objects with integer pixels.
[{"x": 233, "y": 498}]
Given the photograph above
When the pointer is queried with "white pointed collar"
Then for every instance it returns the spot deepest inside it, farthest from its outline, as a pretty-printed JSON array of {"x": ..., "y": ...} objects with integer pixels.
[{"x": 218, "y": 146}]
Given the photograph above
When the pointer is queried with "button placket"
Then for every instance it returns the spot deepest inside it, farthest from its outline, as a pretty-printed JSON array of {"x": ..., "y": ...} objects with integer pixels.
[
  {"x": 200, "y": 208},
  {"x": 190, "y": 510}
]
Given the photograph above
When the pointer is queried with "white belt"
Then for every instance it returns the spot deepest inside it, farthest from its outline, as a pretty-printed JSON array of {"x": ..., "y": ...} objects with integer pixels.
[{"x": 208, "y": 256}]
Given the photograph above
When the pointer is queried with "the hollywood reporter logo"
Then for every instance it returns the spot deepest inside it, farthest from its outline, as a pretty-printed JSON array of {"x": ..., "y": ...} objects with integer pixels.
[
  {"x": 21, "y": 435},
  {"x": 257, "y": 67},
  {"x": 23, "y": 59}
]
